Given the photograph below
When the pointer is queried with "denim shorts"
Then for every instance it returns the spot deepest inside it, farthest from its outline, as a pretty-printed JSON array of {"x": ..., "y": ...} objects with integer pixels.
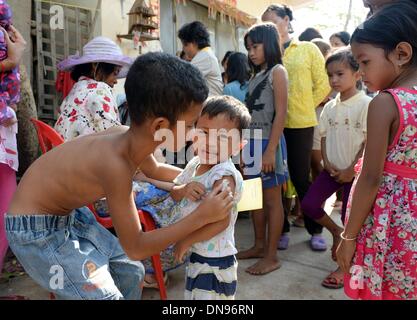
[
  {"x": 272, "y": 179},
  {"x": 74, "y": 257}
]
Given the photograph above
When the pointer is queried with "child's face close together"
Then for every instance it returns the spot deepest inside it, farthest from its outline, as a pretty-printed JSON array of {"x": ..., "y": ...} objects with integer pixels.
[
  {"x": 217, "y": 139},
  {"x": 184, "y": 128},
  {"x": 378, "y": 70},
  {"x": 256, "y": 52},
  {"x": 341, "y": 77}
]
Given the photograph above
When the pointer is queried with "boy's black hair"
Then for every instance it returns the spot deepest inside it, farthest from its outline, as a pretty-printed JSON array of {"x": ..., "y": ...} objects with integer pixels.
[
  {"x": 86, "y": 70},
  {"x": 195, "y": 32},
  {"x": 343, "y": 36},
  {"x": 226, "y": 57},
  {"x": 345, "y": 56},
  {"x": 310, "y": 34},
  {"x": 231, "y": 107},
  {"x": 393, "y": 24},
  {"x": 238, "y": 68},
  {"x": 162, "y": 85},
  {"x": 266, "y": 34}
]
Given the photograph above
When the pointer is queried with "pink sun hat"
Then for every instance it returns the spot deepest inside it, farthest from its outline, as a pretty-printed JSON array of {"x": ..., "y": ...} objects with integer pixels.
[{"x": 100, "y": 49}]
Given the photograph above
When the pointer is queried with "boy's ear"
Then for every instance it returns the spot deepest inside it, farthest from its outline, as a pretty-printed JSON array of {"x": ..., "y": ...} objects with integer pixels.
[
  {"x": 404, "y": 53},
  {"x": 158, "y": 124}
]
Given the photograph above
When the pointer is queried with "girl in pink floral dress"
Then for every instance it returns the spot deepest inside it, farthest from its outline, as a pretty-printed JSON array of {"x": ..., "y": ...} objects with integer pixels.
[{"x": 378, "y": 249}]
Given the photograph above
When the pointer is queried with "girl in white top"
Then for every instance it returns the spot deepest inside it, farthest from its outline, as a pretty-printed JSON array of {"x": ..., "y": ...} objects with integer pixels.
[{"x": 342, "y": 128}]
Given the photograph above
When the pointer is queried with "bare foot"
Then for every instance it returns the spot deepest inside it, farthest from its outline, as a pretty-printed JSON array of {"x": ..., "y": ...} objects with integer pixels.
[
  {"x": 264, "y": 266},
  {"x": 336, "y": 241},
  {"x": 252, "y": 253}
]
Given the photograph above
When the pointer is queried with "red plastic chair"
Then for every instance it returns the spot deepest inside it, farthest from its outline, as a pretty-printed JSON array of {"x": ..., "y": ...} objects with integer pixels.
[
  {"x": 47, "y": 136},
  {"x": 48, "y": 139}
]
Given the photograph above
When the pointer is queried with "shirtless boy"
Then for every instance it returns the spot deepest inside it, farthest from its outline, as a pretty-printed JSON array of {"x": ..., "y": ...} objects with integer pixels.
[{"x": 51, "y": 236}]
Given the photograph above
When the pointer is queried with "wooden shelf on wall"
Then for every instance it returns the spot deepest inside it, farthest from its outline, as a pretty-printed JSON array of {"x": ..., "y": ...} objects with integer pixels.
[{"x": 142, "y": 37}]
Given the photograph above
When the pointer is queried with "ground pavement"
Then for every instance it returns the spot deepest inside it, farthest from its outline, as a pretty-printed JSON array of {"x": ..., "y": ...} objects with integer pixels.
[{"x": 299, "y": 277}]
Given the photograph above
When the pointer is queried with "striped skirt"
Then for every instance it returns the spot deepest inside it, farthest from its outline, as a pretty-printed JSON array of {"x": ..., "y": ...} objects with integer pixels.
[{"x": 211, "y": 278}]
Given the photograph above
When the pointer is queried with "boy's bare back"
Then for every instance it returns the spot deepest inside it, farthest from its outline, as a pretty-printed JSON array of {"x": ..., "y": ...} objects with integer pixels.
[{"x": 75, "y": 174}]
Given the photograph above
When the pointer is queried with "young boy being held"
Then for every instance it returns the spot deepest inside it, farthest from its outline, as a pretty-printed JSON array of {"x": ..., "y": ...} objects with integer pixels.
[
  {"x": 46, "y": 229},
  {"x": 212, "y": 270}
]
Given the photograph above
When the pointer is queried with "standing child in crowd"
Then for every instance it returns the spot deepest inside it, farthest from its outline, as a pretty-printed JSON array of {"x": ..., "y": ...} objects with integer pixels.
[
  {"x": 267, "y": 101},
  {"x": 212, "y": 269},
  {"x": 343, "y": 134},
  {"x": 378, "y": 251},
  {"x": 237, "y": 76}
]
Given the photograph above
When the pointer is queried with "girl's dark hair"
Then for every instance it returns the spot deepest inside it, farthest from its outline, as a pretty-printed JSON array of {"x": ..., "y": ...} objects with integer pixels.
[
  {"x": 238, "y": 68},
  {"x": 281, "y": 10},
  {"x": 343, "y": 36},
  {"x": 266, "y": 34},
  {"x": 86, "y": 70},
  {"x": 388, "y": 27},
  {"x": 310, "y": 34},
  {"x": 343, "y": 56},
  {"x": 195, "y": 32},
  {"x": 226, "y": 57}
]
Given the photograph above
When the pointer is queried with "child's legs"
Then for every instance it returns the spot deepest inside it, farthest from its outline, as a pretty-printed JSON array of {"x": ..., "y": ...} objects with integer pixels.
[
  {"x": 211, "y": 278},
  {"x": 128, "y": 275},
  {"x": 346, "y": 192},
  {"x": 274, "y": 214},
  {"x": 259, "y": 226},
  {"x": 7, "y": 189},
  {"x": 322, "y": 188}
]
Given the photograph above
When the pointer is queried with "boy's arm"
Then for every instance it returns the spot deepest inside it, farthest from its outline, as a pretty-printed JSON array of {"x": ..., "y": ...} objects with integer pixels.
[
  {"x": 159, "y": 171},
  {"x": 208, "y": 231},
  {"x": 139, "y": 245}
]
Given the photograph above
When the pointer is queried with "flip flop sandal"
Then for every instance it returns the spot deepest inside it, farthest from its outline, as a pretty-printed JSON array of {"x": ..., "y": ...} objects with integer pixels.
[
  {"x": 14, "y": 298},
  {"x": 283, "y": 242},
  {"x": 299, "y": 222},
  {"x": 154, "y": 284},
  {"x": 331, "y": 282},
  {"x": 318, "y": 243}
]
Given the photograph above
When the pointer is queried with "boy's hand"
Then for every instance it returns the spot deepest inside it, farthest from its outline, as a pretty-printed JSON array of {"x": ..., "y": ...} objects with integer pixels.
[
  {"x": 193, "y": 191},
  {"x": 15, "y": 48},
  {"x": 345, "y": 176},
  {"x": 217, "y": 204},
  {"x": 268, "y": 161},
  {"x": 180, "y": 250}
]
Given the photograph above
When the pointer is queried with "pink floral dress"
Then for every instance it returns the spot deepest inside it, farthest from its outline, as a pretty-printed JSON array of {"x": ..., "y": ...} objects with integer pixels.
[
  {"x": 385, "y": 263},
  {"x": 89, "y": 108}
]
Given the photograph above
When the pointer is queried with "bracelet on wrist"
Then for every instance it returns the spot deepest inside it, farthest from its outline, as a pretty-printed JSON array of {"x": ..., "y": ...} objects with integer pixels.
[{"x": 347, "y": 239}]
